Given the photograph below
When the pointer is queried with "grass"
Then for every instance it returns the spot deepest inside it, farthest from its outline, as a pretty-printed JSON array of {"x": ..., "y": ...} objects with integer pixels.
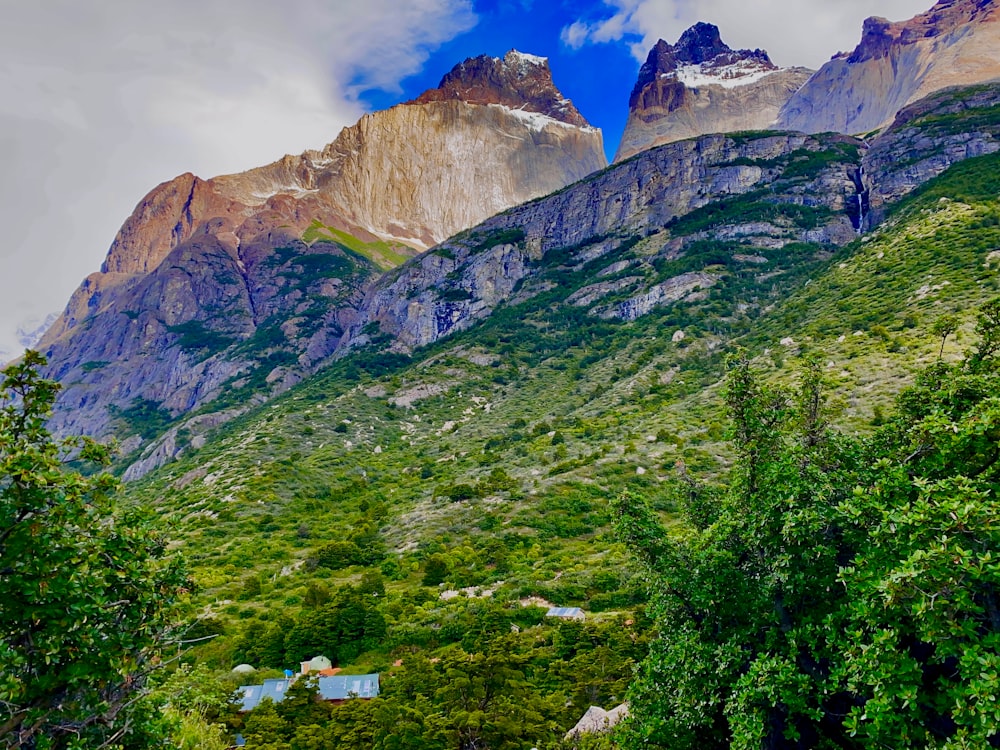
[
  {"x": 383, "y": 254},
  {"x": 496, "y": 449}
]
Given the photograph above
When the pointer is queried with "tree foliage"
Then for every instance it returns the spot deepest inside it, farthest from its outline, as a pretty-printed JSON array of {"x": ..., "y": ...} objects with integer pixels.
[
  {"x": 86, "y": 589},
  {"x": 847, "y": 592}
]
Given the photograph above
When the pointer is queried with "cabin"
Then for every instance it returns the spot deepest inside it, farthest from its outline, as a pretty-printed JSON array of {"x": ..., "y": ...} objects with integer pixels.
[
  {"x": 335, "y": 689},
  {"x": 567, "y": 613}
]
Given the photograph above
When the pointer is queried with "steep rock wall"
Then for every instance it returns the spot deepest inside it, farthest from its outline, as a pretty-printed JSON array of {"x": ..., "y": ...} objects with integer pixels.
[
  {"x": 896, "y": 64},
  {"x": 928, "y": 137},
  {"x": 251, "y": 278},
  {"x": 637, "y": 197}
]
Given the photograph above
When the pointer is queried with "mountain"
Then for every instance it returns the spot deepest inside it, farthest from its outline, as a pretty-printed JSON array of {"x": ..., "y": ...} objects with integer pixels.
[
  {"x": 464, "y": 448},
  {"x": 250, "y": 278},
  {"x": 780, "y": 188},
  {"x": 664, "y": 231},
  {"x": 953, "y": 43},
  {"x": 29, "y": 332},
  {"x": 764, "y": 191},
  {"x": 701, "y": 85}
]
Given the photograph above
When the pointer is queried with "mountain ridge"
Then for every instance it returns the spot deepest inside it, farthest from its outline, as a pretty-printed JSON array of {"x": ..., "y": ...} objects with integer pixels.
[
  {"x": 343, "y": 212},
  {"x": 896, "y": 64},
  {"x": 699, "y": 86},
  {"x": 760, "y": 195}
]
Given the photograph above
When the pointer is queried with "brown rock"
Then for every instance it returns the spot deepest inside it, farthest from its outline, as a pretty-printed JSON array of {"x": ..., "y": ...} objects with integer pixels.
[
  {"x": 954, "y": 43},
  {"x": 517, "y": 81}
]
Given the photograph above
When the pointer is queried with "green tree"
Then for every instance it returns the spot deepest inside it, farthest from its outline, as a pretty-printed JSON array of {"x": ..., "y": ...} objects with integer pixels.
[
  {"x": 194, "y": 701},
  {"x": 846, "y": 593},
  {"x": 435, "y": 570},
  {"x": 466, "y": 701},
  {"x": 302, "y": 704},
  {"x": 944, "y": 326},
  {"x": 86, "y": 589},
  {"x": 265, "y": 728}
]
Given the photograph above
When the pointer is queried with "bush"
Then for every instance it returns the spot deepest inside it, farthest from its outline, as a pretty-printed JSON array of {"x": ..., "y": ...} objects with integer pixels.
[
  {"x": 844, "y": 591},
  {"x": 339, "y": 555}
]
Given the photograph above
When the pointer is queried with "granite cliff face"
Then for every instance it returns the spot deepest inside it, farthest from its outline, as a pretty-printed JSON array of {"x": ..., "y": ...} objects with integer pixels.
[
  {"x": 928, "y": 137},
  {"x": 954, "y": 43},
  {"x": 764, "y": 191},
  {"x": 701, "y": 86},
  {"x": 770, "y": 180},
  {"x": 247, "y": 280}
]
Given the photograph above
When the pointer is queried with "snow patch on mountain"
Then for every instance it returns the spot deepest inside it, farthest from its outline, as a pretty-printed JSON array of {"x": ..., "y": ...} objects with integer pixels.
[
  {"x": 524, "y": 57},
  {"x": 28, "y": 334},
  {"x": 537, "y": 122},
  {"x": 728, "y": 76}
]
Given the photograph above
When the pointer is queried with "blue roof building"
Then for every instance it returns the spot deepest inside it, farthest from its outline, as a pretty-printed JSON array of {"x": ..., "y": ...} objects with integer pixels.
[
  {"x": 566, "y": 613},
  {"x": 254, "y": 694},
  {"x": 343, "y": 686},
  {"x": 251, "y": 697},
  {"x": 336, "y": 688}
]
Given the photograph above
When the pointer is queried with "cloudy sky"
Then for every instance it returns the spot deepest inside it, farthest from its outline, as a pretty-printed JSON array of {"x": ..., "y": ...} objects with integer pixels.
[{"x": 100, "y": 100}]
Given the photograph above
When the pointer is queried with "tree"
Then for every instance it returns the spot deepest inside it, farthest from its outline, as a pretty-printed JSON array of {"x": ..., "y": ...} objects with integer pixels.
[
  {"x": 479, "y": 701},
  {"x": 436, "y": 570},
  {"x": 86, "y": 590},
  {"x": 944, "y": 326},
  {"x": 846, "y": 593}
]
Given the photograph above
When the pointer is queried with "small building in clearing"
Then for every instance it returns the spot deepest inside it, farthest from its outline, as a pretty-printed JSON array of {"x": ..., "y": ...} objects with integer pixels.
[
  {"x": 336, "y": 689},
  {"x": 316, "y": 664},
  {"x": 566, "y": 613}
]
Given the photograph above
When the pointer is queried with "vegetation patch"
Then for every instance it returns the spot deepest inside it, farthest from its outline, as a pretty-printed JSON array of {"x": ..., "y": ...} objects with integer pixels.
[
  {"x": 749, "y": 208},
  {"x": 385, "y": 255},
  {"x": 194, "y": 336},
  {"x": 144, "y": 417}
]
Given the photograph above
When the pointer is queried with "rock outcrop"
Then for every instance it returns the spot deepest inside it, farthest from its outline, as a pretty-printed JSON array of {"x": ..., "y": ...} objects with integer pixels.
[
  {"x": 701, "y": 86},
  {"x": 462, "y": 281},
  {"x": 954, "y": 43},
  {"x": 248, "y": 280},
  {"x": 928, "y": 137},
  {"x": 517, "y": 80},
  {"x": 596, "y": 720}
]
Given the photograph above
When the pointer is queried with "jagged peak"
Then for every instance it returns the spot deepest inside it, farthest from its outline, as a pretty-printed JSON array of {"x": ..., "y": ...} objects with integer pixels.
[
  {"x": 700, "y": 43},
  {"x": 517, "y": 80},
  {"x": 700, "y": 57},
  {"x": 879, "y": 35}
]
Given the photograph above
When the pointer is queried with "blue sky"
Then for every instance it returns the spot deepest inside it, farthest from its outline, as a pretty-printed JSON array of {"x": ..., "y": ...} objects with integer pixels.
[{"x": 597, "y": 77}]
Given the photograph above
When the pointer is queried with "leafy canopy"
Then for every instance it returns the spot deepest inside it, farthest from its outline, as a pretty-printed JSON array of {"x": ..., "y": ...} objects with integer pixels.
[
  {"x": 838, "y": 592},
  {"x": 86, "y": 590}
]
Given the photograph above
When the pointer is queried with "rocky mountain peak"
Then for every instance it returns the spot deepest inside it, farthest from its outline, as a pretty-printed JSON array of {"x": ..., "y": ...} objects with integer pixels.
[
  {"x": 896, "y": 63},
  {"x": 516, "y": 80},
  {"x": 699, "y": 58},
  {"x": 878, "y": 35},
  {"x": 700, "y": 43},
  {"x": 701, "y": 85}
]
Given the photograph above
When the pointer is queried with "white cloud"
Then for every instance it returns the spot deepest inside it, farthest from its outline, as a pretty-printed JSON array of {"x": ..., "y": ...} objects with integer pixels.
[
  {"x": 575, "y": 35},
  {"x": 100, "y": 101},
  {"x": 794, "y": 32}
]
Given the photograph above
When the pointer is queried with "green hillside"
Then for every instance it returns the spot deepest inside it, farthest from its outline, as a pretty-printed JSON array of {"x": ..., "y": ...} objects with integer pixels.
[{"x": 333, "y": 518}]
